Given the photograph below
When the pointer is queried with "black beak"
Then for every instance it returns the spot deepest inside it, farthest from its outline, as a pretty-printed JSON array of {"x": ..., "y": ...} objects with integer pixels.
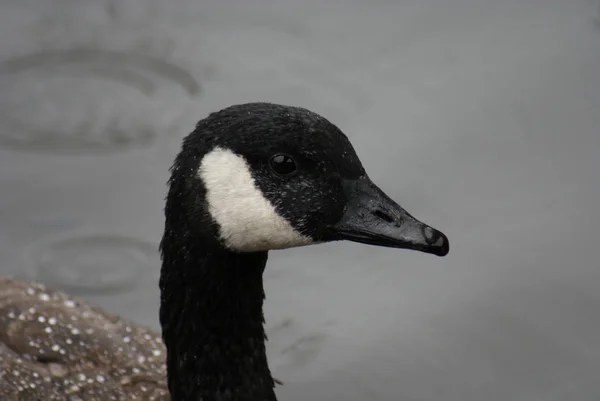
[{"x": 372, "y": 217}]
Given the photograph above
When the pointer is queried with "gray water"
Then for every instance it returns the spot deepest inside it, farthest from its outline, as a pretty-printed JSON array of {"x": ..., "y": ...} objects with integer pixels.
[{"x": 480, "y": 117}]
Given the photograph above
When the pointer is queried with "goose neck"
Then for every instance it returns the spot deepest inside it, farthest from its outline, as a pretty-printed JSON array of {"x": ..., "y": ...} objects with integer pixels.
[{"x": 212, "y": 322}]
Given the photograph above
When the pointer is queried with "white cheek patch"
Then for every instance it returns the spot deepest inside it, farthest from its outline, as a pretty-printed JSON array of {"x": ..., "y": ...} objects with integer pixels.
[{"x": 247, "y": 221}]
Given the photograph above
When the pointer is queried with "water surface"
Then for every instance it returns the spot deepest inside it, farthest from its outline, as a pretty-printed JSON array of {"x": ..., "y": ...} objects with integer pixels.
[{"x": 480, "y": 117}]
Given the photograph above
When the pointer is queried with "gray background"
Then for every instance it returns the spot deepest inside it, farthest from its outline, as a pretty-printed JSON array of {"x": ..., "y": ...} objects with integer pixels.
[{"x": 480, "y": 117}]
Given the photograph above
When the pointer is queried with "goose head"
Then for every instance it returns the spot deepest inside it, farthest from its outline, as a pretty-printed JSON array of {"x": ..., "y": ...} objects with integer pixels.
[
  {"x": 259, "y": 176},
  {"x": 249, "y": 179}
]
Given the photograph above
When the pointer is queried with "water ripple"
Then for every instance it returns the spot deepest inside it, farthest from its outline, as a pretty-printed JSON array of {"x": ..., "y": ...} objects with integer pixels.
[{"x": 86, "y": 100}]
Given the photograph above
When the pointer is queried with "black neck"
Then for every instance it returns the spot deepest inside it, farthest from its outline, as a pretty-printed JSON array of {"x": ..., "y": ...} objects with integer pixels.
[{"x": 213, "y": 326}]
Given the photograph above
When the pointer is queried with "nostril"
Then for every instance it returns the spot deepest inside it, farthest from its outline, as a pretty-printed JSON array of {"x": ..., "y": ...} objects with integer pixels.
[{"x": 383, "y": 216}]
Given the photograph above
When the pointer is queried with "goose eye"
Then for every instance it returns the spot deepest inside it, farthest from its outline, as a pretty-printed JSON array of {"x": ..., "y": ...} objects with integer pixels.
[{"x": 282, "y": 164}]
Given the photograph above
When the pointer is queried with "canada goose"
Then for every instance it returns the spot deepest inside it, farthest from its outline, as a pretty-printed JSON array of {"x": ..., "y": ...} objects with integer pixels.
[{"x": 248, "y": 179}]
